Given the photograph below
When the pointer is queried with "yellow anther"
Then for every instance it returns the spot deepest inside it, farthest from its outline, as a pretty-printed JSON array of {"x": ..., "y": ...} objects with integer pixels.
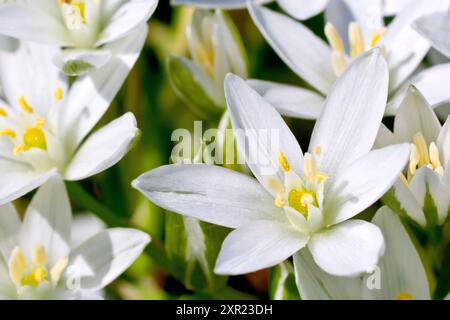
[
  {"x": 321, "y": 176},
  {"x": 279, "y": 202},
  {"x": 19, "y": 149},
  {"x": 24, "y": 105},
  {"x": 356, "y": 39},
  {"x": 434, "y": 156},
  {"x": 284, "y": 164},
  {"x": 34, "y": 137},
  {"x": 309, "y": 167},
  {"x": 58, "y": 269},
  {"x": 419, "y": 141},
  {"x": 318, "y": 150},
  {"x": 275, "y": 185},
  {"x": 16, "y": 265},
  {"x": 414, "y": 158},
  {"x": 376, "y": 36},
  {"x": 334, "y": 39},
  {"x": 3, "y": 112},
  {"x": 40, "y": 275},
  {"x": 39, "y": 256},
  {"x": 339, "y": 63},
  {"x": 8, "y": 132},
  {"x": 58, "y": 94},
  {"x": 404, "y": 296}
]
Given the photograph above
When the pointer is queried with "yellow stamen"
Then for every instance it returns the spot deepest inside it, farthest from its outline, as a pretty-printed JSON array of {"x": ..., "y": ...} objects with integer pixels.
[
  {"x": 339, "y": 63},
  {"x": 334, "y": 39},
  {"x": 279, "y": 202},
  {"x": 404, "y": 296},
  {"x": 414, "y": 158},
  {"x": 8, "y": 132},
  {"x": 24, "y": 105},
  {"x": 356, "y": 39},
  {"x": 309, "y": 167},
  {"x": 34, "y": 137},
  {"x": 58, "y": 94},
  {"x": 16, "y": 265},
  {"x": 318, "y": 150},
  {"x": 3, "y": 112},
  {"x": 284, "y": 164},
  {"x": 40, "y": 274},
  {"x": 419, "y": 141},
  {"x": 19, "y": 149},
  {"x": 434, "y": 156},
  {"x": 376, "y": 36},
  {"x": 321, "y": 176},
  {"x": 81, "y": 8},
  {"x": 39, "y": 256},
  {"x": 58, "y": 269}
]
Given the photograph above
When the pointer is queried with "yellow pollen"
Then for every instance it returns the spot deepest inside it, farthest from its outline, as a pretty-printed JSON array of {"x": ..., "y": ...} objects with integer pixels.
[
  {"x": 356, "y": 39},
  {"x": 404, "y": 296},
  {"x": 16, "y": 265},
  {"x": 24, "y": 105},
  {"x": 34, "y": 137},
  {"x": 334, "y": 39},
  {"x": 19, "y": 148},
  {"x": 8, "y": 132},
  {"x": 58, "y": 269},
  {"x": 279, "y": 202},
  {"x": 34, "y": 278},
  {"x": 39, "y": 256},
  {"x": 3, "y": 112},
  {"x": 284, "y": 164},
  {"x": 419, "y": 141},
  {"x": 376, "y": 36},
  {"x": 318, "y": 150},
  {"x": 339, "y": 63},
  {"x": 58, "y": 94}
]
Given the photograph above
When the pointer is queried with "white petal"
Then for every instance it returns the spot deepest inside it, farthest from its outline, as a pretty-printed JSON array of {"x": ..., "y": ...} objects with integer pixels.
[
  {"x": 9, "y": 230},
  {"x": 435, "y": 28},
  {"x": 260, "y": 131},
  {"x": 84, "y": 226},
  {"x": 91, "y": 95},
  {"x": 21, "y": 61},
  {"x": 289, "y": 100},
  {"x": 257, "y": 246},
  {"x": 401, "y": 270},
  {"x": 47, "y": 221},
  {"x": 105, "y": 256},
  {"x": 209, "y": 193},
  {"x": 214, "y": 4},
  {"x": 316, "y": 284},
  {"x": 305, "y": 53},
  {"x": 103, "y": 149},
  {"x": 29, "y": 22},
  {"x": 443, "y": 142},
  {"x": 415, "y": 115},
  {"x": 76, "y": 62},
  {"x": 18, "y": 179},
  {"x": 384, "y": 137},
  {"x": 393, "y": 7},
  {"x": 303, "y": 9},
  {"x": 364, "y": 182},
  {"x": 430, "y": 83},
  {"x": 348, "y": 249},
  {"x": 126, "y": 18},
  {"x": 349, "y": 123},
  {"x": 409, "y": 203}
]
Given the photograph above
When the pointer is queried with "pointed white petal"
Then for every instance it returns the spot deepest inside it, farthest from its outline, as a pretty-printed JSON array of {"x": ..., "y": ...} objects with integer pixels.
[
  {"x": 260, "y": 131},
  {"x": 409, "y": 203},
  {"x": 214, "y": 4},
  {"x": 436, "y": 29},
  {"x": 209, "y": 193},
  {"x": 316, "y": 284},
  {"x": 259, "y": 245},
  {"x": 84, "y": 226},
  {"x": 47, "y": 221},
  {"x": 9, "y": 230},
  {"x": 289, "y": 100},
  {"x": 384, "y": 137},
  {"x": 364, "y": 182},
  {"x": 103, "y": 149},
  {"x": 303, "y": 9},
  {"x": 349, "y": 123},
  {"x": 401, "y": 270},
  {"x": 393, "y": 7},
  {"x": 348, "y": 249},
  {"x": 443, "y": 142},
  {"x": 305, "y": 53},
  {"x": 105, "y": 256}
]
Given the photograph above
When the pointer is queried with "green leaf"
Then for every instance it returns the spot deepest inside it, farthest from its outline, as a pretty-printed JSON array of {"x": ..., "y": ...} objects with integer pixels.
[
  {"x": 193, "y": 247},
  {"x": 282, "y": 283}
]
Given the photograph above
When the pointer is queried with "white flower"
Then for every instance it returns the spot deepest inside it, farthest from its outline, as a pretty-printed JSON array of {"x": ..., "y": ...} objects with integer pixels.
[
  {"x": 400, "y": 274},
  {"x": 435, "y": 28},
  {"x": 423, "y": 190},
  {"x": 299, "y": 200},
  {"x": 44, "y": 124},
  {"x": 320, "y": 64},
  {"x": 84, "y": 28},
  {"x": 37, "y": 260}
]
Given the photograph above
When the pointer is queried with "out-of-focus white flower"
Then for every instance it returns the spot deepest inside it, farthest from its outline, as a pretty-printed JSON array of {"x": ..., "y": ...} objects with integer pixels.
[
  {"x": 423, "y": 190},
  {"x": 435, "y": 28},
  {"x": 320, "y": 64},
  {"x": 44, "y": 124},
  {"x": 300, "y": 199},
  {"x": 400, "y": 274},
  {"x": 83, "y": 27},
  {"x": 37, "y": 260}
]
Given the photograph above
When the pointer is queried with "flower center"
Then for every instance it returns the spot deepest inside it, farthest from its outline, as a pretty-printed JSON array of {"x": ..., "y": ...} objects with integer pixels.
[
  {"x": 404, "y": 296},
  {"x": 422, "y": 155},
  {"x": 356, "y": 43},
  {"x": 32, "y": 274},
  {"x": 74, "y": 12}
]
